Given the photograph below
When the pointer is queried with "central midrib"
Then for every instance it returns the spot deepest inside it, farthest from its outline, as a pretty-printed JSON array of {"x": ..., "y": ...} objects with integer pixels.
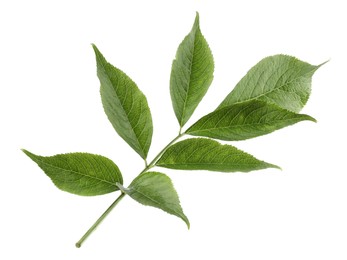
[
  {"x": 85, "y": 175},
  {"x": 156, "y": 202},
  {"x": 132, "y": 130},
  {"x": 236, "y": 126},
  {"x": 190, "y": 79},
  {"x": 272, "y": 90}
]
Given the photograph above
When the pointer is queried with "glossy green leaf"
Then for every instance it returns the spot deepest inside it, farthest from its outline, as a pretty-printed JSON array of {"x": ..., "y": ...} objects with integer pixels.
[
  {"x": 125, "y": 106},
  {"x": 207, "y": 154},
  {"x": 191, "y": 74},
  {"x": 156, "y": 189},
  {"x": 80, "y": 173},
  {"x": 245, "y": 120},
  {"x": 282, "y": 80}
]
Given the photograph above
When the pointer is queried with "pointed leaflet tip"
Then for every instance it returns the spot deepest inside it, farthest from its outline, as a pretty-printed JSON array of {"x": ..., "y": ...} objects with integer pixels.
[
  {"x": 316, "y": 67},
  {"x": 186, "y": 221},
  {"x": 320, "y": 65},
  {"x": 196, "y": 25},
  {"x": 307, "y": 118},
  {"x": 197, "y": 20},
  {"x": 100, "y": 59},
  {"x": 270, "y": 165},
  {"x": 95, "y": 48},
  {"x": 29, "y": 154},
  {"x": 310, "y": 118}
]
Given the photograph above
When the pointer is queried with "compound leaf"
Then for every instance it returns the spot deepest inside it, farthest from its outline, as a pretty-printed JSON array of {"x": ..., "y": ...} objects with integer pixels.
[
  {"x": 191, "y": 74},
  {"x": 156, "y": 189},
  {"x": 245, "y": 120},
  {"x": 207, "y": 154},
  {"x": 282, "y": 80},
  {"x": 125, "y": 106},
  {"x": 80, "y": 173}
]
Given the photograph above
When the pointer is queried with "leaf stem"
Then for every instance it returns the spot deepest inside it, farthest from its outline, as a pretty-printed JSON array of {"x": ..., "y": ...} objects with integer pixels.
[
  {"x": 147, "y": 167},
  {"x": 152, "y": 163},
  {"x": 100, "y": 219}
]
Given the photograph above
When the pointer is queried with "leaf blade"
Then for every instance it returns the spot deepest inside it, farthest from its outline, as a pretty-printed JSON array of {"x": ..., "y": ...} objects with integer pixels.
[
  {"x": 156, "y": 189},
  {"x": 280, "y": 79},
  {"x": 191, "y": 73},
  {"x": 245, "y": 120},
  {"x": 125, "y": 106},
  {"x": 210, "y": 155},
  {"x": 80, "y": 173}
]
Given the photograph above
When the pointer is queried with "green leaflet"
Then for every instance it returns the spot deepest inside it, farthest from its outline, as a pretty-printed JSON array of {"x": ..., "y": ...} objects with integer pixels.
[
  {"x": 206, "y": 154},
  {"x": 125, "y": 106},
  {"x": 191, "y": 74},
  {"x": 282, "y": 80},
  {"x": 80, "y": 173},
  {"x": 245, "y": 120},
  {"x": 156, "y": 189}
]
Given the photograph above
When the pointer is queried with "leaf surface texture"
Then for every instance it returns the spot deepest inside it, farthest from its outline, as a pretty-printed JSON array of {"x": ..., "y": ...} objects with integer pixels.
[
  {"x": 280, "y": 79},
  {"x": 191, "y": 73},
  {"x": 156, "y": 189},
  {"x": 80, "y": 173},
  {"x": 245, "y": 120},
  {"x": 125, "y": 106},
  {"x": 206, "y": 154}
]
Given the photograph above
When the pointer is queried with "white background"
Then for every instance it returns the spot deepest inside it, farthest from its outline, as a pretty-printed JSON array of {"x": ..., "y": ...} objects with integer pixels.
[{"x": 50, "y": 103}]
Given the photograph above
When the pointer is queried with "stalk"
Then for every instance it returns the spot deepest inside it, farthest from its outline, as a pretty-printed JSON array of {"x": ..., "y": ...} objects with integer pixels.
[
  {"x": 100, "y": 219},
  {"x": 121, "y": 196}
]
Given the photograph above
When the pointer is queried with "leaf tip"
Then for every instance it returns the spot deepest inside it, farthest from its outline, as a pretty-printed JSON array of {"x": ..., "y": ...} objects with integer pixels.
[
  {"x": 185, "y": 219},
  {"x": 310, "y": 118},
  {"x": 94, "y": 46},
  {"x": 26, "y": 152},
  {"x": 274, "y": 166},
  {"x": 98, "y": 54},
  {"x": 279, "y": 168},
  {"x": 197, "y": 20},
  {"x": 320, "y": 65}
]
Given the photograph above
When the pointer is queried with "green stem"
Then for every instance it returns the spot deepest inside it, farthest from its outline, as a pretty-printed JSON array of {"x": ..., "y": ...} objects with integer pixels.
[
  {"x": 147, "y": 167},
  {"x": 100, "y": 219},
  {"x": 152, "y": 163}
]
